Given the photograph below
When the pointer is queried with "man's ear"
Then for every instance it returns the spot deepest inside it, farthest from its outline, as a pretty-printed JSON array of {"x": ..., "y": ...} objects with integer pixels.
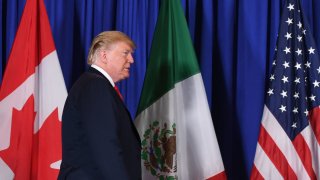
[{"x": 103, "y": 56}]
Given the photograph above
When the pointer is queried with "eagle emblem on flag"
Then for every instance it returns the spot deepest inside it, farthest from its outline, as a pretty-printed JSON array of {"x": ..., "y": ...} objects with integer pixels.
[{"x": 159, "y": 150}]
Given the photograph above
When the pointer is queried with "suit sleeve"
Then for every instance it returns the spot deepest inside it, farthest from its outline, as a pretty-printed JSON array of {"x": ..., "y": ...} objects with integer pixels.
[{"x": 99, "y": 119}]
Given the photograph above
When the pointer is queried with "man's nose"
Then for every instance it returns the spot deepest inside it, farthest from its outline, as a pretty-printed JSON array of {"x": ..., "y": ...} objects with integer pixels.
[{"x": 130, "y": 58}]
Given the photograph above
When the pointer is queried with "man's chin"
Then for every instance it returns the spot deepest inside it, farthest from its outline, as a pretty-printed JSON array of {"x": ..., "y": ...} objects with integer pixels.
[{"x": 127, "y": 75}]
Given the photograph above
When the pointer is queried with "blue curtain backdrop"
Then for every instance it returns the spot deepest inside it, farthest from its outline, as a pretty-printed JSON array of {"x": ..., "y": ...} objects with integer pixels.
[{"x": 234, "y": 42}]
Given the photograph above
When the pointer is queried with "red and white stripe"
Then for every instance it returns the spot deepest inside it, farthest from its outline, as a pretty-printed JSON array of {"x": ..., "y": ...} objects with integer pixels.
[{"x": 277, "y": 157}]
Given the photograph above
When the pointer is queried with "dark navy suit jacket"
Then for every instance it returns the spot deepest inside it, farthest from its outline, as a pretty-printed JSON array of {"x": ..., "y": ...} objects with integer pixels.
[{"x": 99, "y": 139}]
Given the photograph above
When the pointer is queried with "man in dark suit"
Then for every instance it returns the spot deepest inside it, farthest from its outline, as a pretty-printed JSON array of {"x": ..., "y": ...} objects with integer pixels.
[{"x": 99, "y": 140}]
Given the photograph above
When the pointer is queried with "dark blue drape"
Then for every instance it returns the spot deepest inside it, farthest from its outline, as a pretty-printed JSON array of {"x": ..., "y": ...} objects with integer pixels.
[{"x": 234, "y": 41}]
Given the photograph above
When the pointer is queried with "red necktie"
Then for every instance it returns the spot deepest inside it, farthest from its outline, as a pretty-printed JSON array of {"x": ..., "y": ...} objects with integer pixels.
[{"x": 117, "y": 90}]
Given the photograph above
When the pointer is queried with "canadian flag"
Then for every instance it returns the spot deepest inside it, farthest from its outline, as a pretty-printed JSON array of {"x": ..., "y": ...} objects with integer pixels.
[{"x": 32, "y": 97}]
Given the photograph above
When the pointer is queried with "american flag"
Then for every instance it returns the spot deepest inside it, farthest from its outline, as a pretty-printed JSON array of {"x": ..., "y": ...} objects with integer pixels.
[{"x": 289, "y": 141}]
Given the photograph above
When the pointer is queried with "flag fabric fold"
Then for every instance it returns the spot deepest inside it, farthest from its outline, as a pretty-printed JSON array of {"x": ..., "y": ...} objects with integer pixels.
[
  {"x": 289, "y": 141},
  {"x": 173, "y": 116},
  {"x": 32, "y": 96}
]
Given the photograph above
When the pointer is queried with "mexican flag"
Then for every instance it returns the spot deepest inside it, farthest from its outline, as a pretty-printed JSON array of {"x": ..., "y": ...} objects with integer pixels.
[{"x": 173, "y": 117}]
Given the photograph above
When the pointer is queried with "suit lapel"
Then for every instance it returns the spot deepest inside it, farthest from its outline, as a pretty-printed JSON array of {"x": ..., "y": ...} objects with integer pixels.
[{"x": 93, "y": 70}]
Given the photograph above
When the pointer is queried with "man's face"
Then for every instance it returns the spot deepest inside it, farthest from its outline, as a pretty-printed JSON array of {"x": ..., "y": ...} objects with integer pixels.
[{"x": 119, "y": 58}]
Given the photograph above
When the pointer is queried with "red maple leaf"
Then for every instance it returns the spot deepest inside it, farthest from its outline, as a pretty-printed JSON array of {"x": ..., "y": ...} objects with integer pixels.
[{"x": 30, "y": 155}]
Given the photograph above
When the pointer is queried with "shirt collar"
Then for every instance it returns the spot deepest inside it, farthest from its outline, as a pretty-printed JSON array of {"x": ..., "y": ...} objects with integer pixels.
[{"x": 104, "y": 73}]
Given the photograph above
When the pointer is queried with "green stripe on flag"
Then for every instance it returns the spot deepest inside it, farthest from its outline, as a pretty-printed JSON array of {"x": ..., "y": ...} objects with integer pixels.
[{"x": 172, "y": 57}]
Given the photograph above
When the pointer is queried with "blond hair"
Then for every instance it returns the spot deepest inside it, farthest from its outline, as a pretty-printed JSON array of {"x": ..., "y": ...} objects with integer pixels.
[{"x": 105, "y": 40}]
